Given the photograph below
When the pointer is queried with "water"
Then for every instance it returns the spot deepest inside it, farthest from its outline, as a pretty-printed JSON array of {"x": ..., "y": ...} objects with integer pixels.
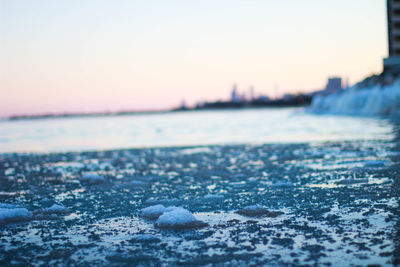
[
  {"x": 250, "y": 126},
  {"x": 335, "y": 203}
]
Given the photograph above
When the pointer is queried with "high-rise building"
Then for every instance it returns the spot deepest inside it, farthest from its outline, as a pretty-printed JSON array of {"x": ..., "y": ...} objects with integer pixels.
[
  {"x": 334, "y": 85},
  {"x": 392, "y": 62},
  {"x": 234, "y": 94}
]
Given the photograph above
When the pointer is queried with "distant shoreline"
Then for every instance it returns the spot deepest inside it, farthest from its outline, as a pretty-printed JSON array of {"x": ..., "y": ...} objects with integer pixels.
[
  {"x": 78, "y": 115},
  {"x": 128, "y": 113}
]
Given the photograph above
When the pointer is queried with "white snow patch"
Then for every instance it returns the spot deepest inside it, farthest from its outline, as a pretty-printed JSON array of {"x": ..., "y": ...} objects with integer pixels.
[
  {"x": 153, "y": 212},
  {"x": 178, "y": 218}
]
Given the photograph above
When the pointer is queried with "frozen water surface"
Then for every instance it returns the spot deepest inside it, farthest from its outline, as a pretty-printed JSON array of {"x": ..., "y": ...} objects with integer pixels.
[
  {"x": 343, "y": 214},
  {"x": 333, "y": 203}
]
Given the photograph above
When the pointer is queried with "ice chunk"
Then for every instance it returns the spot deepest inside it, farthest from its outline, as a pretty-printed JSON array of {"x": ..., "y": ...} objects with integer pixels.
[
  {"x": 92, "y": 178},
  {"x": 55, "y": 209},
  {"x": 51, "y": 213},
  {"x": 375, "y": 100},
  {"x": 8, "y": 215},
  {"x": 256, "y": 211},
  {"x": 8, "y": 206},
  {"x": 153, "y": 212},
  {"x": 179, "y": 218}
]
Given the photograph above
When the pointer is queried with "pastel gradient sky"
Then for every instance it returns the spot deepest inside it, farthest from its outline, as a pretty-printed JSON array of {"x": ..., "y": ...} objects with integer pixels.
[{"x": 95, "y": 55}]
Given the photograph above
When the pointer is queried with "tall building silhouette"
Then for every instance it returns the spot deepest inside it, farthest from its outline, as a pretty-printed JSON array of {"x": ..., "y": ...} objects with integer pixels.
[{"x": 392, "y": 62}]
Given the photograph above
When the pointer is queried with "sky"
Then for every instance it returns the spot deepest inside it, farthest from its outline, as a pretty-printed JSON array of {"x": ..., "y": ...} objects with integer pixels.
[{"x": 102, "y": 55}]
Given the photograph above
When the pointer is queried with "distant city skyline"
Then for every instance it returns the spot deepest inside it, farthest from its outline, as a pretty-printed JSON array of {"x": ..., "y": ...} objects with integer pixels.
[{"x": 97, "y": 55}]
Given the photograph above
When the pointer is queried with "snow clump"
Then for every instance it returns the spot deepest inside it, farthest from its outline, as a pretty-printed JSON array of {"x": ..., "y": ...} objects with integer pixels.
[
  {"x": 153, "y": 212},
  {"x": 179, "y": 218}
]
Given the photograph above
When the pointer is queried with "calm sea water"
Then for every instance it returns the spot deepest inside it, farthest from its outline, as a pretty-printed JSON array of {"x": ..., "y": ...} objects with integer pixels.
[{"x": 250, "y": 126}]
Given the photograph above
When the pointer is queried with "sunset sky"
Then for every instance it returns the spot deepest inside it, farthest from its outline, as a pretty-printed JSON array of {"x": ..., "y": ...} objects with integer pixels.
[{"x": 94, "y": 55}]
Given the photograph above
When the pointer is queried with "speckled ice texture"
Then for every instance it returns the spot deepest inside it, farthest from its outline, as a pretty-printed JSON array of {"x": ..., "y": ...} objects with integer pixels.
[{"x": 324, "y": 204}]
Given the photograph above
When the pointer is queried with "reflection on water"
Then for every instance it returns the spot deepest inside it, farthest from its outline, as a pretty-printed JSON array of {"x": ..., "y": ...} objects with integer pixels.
[{"x": 251, "y": 126}]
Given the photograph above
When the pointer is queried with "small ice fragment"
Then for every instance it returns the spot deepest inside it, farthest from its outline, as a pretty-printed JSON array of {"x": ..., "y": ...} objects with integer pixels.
[
  {"x": 351, "y": 181},
  {"x": 374, "y": 163},
  {"x": 8, "y": 215},
  {"x": 92, "y": 178},
  {"x": 179, "y": 218},
  {"x": 8, "y": 206},
  {"x": 56, "y": 209},
  {"x": 195, "y": 150},
  {"x": 153, "y": 201},
  {"x": 273, "y": 158},
  {"x": 213, "y": 198},
  {"x": 51, "y": 212},
  {"x": 252, "y": 180},
  {"x": 153, "y": 212},
  {"x": 146, "y": 238},
  {"x": 45, "y": 201},
  {"x": 283, "y": 184},
  {"x": 139, "y": 183},
  {"x": 256, "y": 211}
]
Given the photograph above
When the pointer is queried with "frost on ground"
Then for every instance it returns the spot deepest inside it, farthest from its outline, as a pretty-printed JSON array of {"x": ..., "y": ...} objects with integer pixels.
[{"x": 302, "y": 204}]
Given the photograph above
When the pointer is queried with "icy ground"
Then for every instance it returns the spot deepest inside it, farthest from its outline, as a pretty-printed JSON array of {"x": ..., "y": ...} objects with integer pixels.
[{"x": 333, "y": 204}]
